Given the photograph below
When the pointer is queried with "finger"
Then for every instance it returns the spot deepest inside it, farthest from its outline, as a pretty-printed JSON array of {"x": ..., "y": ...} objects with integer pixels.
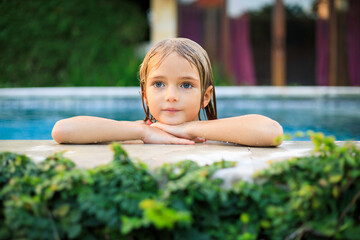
[
  {"x": 168, "y": 129},
  {"x": 182, "y": 141},
  {"x": 199, "y": 140}
]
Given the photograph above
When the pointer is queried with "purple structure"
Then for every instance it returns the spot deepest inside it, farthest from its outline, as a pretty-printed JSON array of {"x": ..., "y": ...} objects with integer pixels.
[
  {"x": 242, "y": 64},
  {"x": 322, "y": 52},
  {"x": 353, "y": 41},
  {"x": 190, "y": 22}
]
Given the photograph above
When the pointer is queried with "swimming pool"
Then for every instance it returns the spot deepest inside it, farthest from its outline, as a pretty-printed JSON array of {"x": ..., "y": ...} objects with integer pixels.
[{"x": 30, "y": 113}]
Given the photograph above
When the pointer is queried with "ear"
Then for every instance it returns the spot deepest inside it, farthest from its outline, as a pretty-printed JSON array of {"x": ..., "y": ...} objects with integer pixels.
[{"x": 207, "y": 96}]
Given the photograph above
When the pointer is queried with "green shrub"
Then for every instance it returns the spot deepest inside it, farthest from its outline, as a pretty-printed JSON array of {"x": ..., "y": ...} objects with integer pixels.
[
  {"x": 313, "y": 197},
  {"x": 70, "y": 43}
]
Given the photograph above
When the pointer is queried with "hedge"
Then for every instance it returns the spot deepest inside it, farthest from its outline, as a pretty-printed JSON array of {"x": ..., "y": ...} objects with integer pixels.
[
  {"x": 70, "y": 43},
  {"x": 312, "y": 197}
]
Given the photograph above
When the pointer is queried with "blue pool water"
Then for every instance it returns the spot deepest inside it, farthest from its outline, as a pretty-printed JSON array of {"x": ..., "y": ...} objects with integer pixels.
[{"x": 33, "y": 118}]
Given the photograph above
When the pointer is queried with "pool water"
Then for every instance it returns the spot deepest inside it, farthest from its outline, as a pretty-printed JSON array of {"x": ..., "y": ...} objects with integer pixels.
[
  {"x": 339, "y": 117},
  {"x": 34, "y": 118}
]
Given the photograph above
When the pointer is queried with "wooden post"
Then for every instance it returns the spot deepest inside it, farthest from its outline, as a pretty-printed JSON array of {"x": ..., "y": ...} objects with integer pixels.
[
  {"x": 211, "y": 32},
  {"x": 163, "y": 20},
  {"x": 225, "y": 41},
  {"x": 278, "y": 51},
  {"x": 338, "y": 62}
]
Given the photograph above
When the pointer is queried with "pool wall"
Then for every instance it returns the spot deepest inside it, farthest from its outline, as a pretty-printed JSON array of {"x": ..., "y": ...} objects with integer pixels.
[
  {"x": 305, "y": 91},
  {"x": 103, "y": 98}
]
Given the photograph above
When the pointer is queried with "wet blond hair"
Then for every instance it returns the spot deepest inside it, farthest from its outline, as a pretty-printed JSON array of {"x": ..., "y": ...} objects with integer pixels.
[{"x": 195, "y": 55}]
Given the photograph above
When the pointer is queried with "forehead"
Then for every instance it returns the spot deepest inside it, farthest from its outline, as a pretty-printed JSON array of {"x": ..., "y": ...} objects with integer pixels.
[{"x": 174, "y": 61}]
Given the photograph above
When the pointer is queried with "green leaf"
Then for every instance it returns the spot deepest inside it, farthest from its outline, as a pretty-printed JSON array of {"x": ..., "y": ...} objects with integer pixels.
[
  {"x": 265, "y": 223},
  {"x": 247, "y": 236},
  {"x": 245, "y": 218},
  {"x": 74, "y": 230},
  {"x": 335, "y": 178},
  {"x": 62, "y": 210},
  {"x": 335, "y": 191},
  {"x": 162, "y": 216},
  {"x": 128, "y": 224}
]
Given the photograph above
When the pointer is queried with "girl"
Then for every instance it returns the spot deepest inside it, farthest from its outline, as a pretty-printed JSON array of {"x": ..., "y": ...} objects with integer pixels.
[{"x": 176, "y": 83}]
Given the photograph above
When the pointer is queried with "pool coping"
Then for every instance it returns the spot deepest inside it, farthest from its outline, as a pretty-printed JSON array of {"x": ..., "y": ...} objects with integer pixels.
[{"x": 248, "y": 159}]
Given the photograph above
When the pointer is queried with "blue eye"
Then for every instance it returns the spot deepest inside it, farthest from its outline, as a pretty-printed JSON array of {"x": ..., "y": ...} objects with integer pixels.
[
  {"x": 186, "y": 85},
  {"x": 158, "y": 84}
]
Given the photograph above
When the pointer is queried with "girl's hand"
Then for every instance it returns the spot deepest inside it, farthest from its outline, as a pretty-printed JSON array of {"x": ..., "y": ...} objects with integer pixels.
[
  {"x": 156, "y": 135},
  {"x": 181, "y": 130}
]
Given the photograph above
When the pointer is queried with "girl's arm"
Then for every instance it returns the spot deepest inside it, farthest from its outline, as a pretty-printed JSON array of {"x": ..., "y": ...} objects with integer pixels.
[
  {"x": 85, "y": 129},
  {"x": 250, "y": 130}
]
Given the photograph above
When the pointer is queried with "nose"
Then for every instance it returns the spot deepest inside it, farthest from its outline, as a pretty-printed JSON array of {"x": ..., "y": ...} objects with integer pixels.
[{"x": 172, "y": 94}]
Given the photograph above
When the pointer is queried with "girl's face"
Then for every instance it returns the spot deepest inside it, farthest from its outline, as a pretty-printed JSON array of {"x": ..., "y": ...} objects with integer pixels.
[{"x": 173, "y": 91}]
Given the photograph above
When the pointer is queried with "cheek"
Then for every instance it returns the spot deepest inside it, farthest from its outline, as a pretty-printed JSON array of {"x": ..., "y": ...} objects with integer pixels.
[
  {"x": 152, "y": 102},
  {"x": 149, "y": 96},
  {"x": 194, "y": 106}
]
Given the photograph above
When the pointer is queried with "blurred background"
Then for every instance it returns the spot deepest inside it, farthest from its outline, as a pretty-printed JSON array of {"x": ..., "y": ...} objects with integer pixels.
[{"x": 102, "y": 42}]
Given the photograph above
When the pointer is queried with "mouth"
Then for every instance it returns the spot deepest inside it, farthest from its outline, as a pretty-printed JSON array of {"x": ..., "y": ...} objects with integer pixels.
[{"x": 171, "y": 110}]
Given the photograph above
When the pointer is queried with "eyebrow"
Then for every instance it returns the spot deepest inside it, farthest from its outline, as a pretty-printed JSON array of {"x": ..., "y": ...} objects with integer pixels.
[
  {"x": 190, "y": 78},
  {"x": 183, "y": 78},
  {"x": 155, "y": 78}
]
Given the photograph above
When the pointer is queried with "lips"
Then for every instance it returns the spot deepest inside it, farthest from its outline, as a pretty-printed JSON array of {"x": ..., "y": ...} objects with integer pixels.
[{"x": 171, "y": 110}]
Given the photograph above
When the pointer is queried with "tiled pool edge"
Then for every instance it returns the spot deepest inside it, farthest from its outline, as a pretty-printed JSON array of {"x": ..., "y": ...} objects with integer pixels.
[{"x": 221, "y": 91}]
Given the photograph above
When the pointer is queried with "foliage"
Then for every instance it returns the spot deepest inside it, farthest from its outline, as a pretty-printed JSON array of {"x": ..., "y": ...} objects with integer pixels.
[
  {"x": 313, "y": 197},
  {"x": 70, "y": 43}
]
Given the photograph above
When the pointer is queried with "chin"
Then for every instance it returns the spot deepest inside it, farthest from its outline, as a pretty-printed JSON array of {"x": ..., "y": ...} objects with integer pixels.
[
  {"x": 174, "y": 122},
  {"x": 171, "y": 122}
]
